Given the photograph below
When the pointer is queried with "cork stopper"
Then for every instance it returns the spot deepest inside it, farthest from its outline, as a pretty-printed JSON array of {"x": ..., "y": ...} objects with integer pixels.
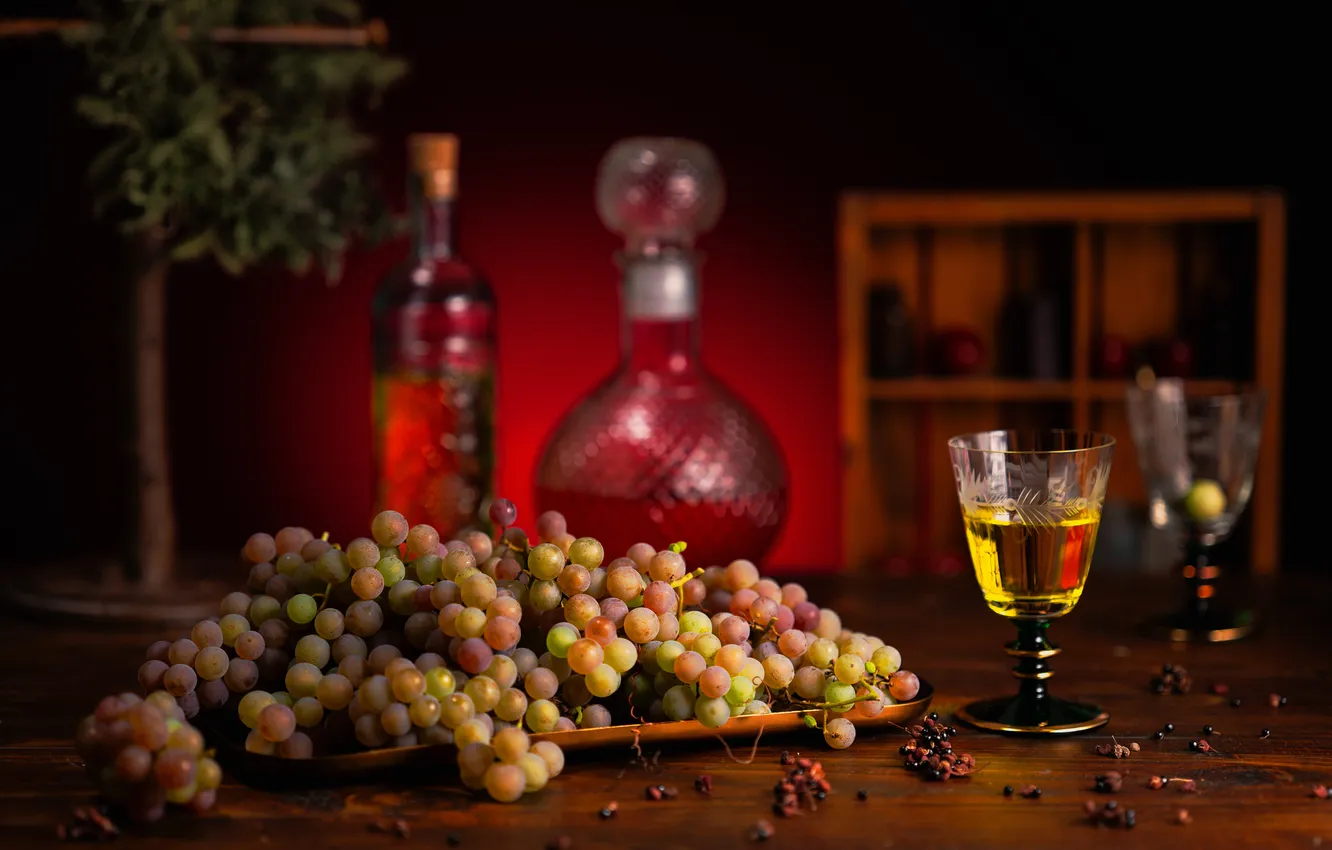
[{"x": 434, "y": 158}]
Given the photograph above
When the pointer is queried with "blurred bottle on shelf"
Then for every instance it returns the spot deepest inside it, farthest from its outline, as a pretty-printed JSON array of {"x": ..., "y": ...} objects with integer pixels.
[
  {"x": 892, "y": 336},
  {"x": 434, "y": 351},
  {"x": 1031, "y": 338},
  {"x": 662, "y": 451}
]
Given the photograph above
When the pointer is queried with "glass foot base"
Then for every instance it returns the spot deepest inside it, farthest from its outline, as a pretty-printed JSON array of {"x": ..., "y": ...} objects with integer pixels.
[
  {"x": 1212, "y": 627},
  {"x": 1014, "y": 716},
  {"x": 100, "y": 592}
]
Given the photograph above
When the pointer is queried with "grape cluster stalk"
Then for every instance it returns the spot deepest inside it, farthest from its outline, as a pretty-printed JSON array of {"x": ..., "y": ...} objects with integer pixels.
[{"x": 400, "y": 639}]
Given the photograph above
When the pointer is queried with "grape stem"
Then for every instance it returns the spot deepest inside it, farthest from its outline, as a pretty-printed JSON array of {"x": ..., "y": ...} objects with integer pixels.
[
  {"x": 679, "y": 584},
  {"x": 328, "y": 591}
]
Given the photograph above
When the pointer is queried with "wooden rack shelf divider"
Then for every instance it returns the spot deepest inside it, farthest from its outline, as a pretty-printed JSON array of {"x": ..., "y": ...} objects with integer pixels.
[{"x": 1136, "y": 263}]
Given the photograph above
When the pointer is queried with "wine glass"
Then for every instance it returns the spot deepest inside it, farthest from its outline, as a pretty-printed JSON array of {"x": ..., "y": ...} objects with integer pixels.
[
  {"x": 1197, "y": 457},
  {"x": 1031, "y": 504}
]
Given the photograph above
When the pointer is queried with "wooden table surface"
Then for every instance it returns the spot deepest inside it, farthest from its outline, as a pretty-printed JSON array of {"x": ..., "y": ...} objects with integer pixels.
[{"x": 1253, "y": 792}]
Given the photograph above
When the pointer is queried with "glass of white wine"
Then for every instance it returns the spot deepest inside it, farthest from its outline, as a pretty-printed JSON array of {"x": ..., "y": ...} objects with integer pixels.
[{"x": 1031, "y": 504}]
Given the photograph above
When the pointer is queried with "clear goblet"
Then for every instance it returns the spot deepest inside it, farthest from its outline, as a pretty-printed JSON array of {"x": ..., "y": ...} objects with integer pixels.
[
  {"x": 1031, "y": 504},
  {"x": 1197, "y": 457}
]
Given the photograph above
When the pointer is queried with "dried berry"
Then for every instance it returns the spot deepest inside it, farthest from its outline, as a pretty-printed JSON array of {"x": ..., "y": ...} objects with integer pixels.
[
  {"x": 1276, "y": 700},
  {"x": 1031, "y": 792},
  {"x": 1183, "y": 817},
  {"x": 1108, "y": 783},
  {"x": 1188, "y": 786},
  {"x": 787, "y": 758},
  {"x": 1113, "y": 750},
  {"x": 761, "y": 831},
  {"x": 1156, "y": 783},
  {"x": 1220, "y": 688},
  {"x": 804, "y": 785},
  {"x": 1173, "y": 679},
  {"x": 1135, "y": 747},
  {"x": 1109, "y": 814},
  {"x": 1320, "y": 791},
  {"x": 703, "y": 784}
]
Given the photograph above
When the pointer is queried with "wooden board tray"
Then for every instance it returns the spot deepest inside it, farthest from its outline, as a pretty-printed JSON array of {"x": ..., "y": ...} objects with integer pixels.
[{"x": 395, "y": 763}]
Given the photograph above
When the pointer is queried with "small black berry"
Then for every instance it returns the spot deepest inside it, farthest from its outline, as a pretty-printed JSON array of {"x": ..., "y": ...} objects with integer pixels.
[
  {"x": 862, "y": 795},
  {"x": 1112, "y": 805},
  {"x": 1235, "y": 703},
  {"x": 1207, "y": 730},
  {"x": 453, "y": 839},
  {"x": 934, "y": 715},
  {"x": 1008, "y": 790},
  {"x": 1036, "y": 793},
  {"x": 1168, "y": 728},
  {"x": 1194, "y": 745},
  {"x": 1158, "y": 735},
  {"x": 820, "y": 795},
  {"x": 607, "y": 814},
  {"x": 1266, "y": 732},
  {"x": 1281, "y": 702},
  {"x": 1130, "y": 819}
]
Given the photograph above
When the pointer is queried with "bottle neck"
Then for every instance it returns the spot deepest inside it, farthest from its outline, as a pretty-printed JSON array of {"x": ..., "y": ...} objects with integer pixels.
[
  {"x": 432, "y": 227},
  {"x": 660, "y": 330}
]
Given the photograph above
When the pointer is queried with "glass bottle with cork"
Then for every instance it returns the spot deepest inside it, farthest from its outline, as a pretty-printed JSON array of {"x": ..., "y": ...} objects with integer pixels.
[
  {"x": 662, "y": 451},
  {"x": 434, "y": 362}
]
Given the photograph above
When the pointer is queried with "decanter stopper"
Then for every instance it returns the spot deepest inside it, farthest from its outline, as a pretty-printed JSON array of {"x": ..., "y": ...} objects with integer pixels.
[{"x": 659, "y": 193}]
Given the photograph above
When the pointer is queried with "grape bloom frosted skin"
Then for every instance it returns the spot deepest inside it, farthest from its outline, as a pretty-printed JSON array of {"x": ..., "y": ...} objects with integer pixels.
[{"x": 403, "y": 640}]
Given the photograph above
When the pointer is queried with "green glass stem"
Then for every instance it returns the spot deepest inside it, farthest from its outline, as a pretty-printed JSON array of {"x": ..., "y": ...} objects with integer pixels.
[{"x": 1033, "y": 651}]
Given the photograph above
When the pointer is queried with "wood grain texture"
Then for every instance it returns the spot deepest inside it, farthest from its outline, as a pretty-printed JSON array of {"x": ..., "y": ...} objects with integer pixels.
[{"x": 1255, "y": 792}]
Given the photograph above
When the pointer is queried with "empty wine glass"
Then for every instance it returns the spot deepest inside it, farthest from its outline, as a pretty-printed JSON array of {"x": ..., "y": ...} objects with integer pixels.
[
  {"x": 1197, "y": 456},
  {"x": 1031, "y": 504}
]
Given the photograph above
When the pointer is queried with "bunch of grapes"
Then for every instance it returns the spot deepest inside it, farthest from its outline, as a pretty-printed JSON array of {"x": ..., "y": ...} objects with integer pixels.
[
  {"x": 142, "y": 754},
  {"x": 400, "y": 639}
]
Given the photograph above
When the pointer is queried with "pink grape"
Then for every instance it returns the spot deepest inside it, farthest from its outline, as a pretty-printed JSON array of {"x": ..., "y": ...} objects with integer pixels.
[
  {"x": 600, "y": 629},
  {"x": 614, "y": 610},
  {"x": 806, "y": 616},
  {"x": 659, "y": 597},
  {"x": 741, "y": 600},
  {"x": 260, "y": 547},
  {"x": 474, "y": 655},
  {"x": 503, "y": 513},
  {"x": 733, "y": 630},
  {"x": 714, "y": 682}
]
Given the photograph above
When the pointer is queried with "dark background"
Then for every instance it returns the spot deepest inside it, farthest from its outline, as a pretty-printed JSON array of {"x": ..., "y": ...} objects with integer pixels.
[{"x": 270, "y": 374}]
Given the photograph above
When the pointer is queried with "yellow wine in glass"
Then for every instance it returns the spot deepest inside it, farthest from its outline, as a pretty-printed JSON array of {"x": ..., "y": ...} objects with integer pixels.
[
  {"x": 1031, "y": 569},
  {"x": 1031, "y": 505}
]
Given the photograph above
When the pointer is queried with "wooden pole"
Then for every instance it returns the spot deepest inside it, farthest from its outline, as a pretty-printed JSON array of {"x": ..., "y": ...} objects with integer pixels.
[{"x": 371, "y": 34}]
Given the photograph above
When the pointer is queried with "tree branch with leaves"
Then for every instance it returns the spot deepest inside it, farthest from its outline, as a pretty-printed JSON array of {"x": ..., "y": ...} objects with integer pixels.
[{"x": 238, "y": 149}]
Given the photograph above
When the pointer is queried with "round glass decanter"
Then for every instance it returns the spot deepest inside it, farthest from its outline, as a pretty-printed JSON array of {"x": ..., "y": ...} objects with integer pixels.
[{"x": 662, "y": 451}]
